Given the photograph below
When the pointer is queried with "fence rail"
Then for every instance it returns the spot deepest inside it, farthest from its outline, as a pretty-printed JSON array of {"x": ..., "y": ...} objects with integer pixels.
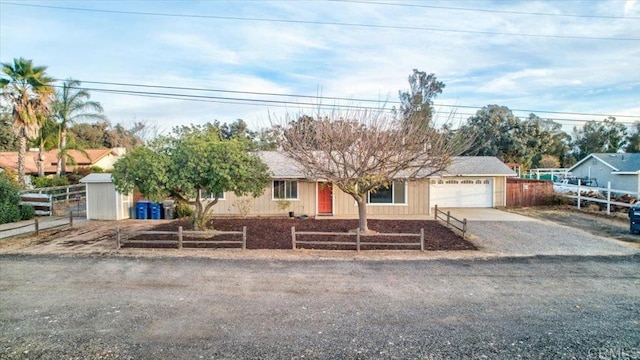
[
  {"x": 358, "y": 243},
  {"x": 43, "y": 199},
  {"x": 580, "y": 193},
  {"x": 37, "y": 225},
  {"x": 451, "y": 221},
  {"x": 124, "y": 238}
]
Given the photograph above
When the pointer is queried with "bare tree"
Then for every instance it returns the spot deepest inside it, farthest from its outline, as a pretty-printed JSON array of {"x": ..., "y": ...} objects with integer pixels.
[{"x": 362, "y": 150}]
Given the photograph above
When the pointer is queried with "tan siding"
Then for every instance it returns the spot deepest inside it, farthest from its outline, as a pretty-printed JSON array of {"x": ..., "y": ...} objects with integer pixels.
[
  {"x": 264, "y": 205},
  {"x": 499, "y": 188},
  {"x": 416, "y": 202}
]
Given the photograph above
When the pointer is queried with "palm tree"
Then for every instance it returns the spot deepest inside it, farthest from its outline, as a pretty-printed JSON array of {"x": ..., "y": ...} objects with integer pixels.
[
  {"x": 72, "y": 104},
  {"x": 29, "y": 92}
]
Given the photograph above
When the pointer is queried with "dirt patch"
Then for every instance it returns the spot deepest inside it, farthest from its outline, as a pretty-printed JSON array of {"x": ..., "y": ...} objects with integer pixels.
[
  {"x": 275, "y": 233},
  {"x": 98, "y": 237},
  {"x": 614, "y": 225}
]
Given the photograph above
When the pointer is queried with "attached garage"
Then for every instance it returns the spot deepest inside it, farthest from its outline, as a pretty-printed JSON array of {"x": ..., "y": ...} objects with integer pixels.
[
  {"x": 470, "y": 182},
  {"x": 467, "y": 192}
]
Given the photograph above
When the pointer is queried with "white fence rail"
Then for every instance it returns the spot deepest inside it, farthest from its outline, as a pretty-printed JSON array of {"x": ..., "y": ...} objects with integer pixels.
[
  {"x": 580, "y": 193},
  {"x": 43, "y": 199}
]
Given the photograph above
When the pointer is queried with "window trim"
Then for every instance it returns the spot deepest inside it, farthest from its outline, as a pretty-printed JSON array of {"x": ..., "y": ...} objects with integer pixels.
[
  {"x": 209, "y": 196},
  {"x": 392, "y": 203},
  {"x": 273, "y": 193}
]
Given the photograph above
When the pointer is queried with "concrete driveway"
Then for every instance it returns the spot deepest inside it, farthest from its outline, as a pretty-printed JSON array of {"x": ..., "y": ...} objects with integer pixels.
[{"x": 503, "y": 233}]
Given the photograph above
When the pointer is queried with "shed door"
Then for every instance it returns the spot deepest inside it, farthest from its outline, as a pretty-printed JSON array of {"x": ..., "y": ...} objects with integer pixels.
[{"x": 461, "y": 192}]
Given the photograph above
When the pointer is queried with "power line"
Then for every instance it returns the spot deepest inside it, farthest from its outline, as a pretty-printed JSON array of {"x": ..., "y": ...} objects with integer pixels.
[
  {"x": 487, "y": 10},
  {"x": 309, "y": 22},
  {"x": 333, "y": 98},
  {"x": 303, "y": 105}
]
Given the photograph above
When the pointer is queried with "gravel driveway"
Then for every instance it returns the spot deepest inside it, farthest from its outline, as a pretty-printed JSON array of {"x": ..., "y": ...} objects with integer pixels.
[{"x": 531, "y": 238}]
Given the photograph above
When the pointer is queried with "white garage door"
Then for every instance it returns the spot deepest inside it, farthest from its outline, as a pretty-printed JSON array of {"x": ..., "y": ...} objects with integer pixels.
[{"x": 461, "y": 192}]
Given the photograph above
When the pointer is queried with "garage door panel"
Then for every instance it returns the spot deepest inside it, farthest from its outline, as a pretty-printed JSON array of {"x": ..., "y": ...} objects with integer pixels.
[{"x": 461, "y": 193}]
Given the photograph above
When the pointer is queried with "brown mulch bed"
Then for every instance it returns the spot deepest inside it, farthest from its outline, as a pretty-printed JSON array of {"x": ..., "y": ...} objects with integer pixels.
[{"x": 275, "y": 233}]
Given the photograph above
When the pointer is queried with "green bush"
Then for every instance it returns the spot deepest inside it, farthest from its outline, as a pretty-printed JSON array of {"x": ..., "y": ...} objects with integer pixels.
[
  {"x": 27, "y": 212},
  {"x": 183, "y": 210},
  {"x": 9, "y": 201},
  {"x": 44, "y": 182}
]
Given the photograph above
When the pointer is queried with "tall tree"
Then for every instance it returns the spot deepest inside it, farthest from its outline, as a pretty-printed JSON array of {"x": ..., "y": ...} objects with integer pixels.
[
  {"x": 633, "y": 140},
  {"x": 8, "y": 140},
  {"x": 605, "y": 136},
  {"x": 361, "y": 151},
  {"x": 498, "y": 132},
  {"x": 190, "y": 164},
  {"x": 416, "y": 105},
  {"x": 29, "y": 92},
  {"x": 71, "y": 105}
]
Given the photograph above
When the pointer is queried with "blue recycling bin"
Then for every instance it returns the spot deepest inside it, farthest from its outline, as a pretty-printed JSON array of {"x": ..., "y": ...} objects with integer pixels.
[
  {"x": 154, "y": 211},
  {"x": 142, "y": 210}
]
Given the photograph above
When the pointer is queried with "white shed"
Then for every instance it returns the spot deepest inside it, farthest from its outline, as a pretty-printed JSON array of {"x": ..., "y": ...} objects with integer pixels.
[{"x": 103, "y": 201}]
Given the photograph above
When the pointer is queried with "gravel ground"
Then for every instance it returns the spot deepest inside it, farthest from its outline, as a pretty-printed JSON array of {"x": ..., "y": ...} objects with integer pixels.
[
  {"x": 82, "y": 307},
  {"x": 531, "y": 238}
]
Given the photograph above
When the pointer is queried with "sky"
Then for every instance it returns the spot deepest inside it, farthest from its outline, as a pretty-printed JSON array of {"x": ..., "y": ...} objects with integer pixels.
[{"x": 262, "y": 61}]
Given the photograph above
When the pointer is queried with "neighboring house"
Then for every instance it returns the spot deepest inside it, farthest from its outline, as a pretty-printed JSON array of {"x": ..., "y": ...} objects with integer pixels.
[
  {"x": 467, "y": 182},
  {"x": 103, "y": 158},
  {"x": 622, "y": 170}
]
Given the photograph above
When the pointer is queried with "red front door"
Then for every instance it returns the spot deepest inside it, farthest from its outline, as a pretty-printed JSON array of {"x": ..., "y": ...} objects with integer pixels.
[{"x": 325, "y": 198}]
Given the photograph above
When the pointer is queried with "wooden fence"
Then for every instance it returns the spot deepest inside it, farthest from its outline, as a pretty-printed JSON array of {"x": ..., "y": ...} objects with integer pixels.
[
  {"x": 450, "y": 221},
  {"x": 524, "y": 192},
  {"x": 358, "y": 243},
  {"x": 36, "y": 225},
  {"x": 124, "y": 238}
]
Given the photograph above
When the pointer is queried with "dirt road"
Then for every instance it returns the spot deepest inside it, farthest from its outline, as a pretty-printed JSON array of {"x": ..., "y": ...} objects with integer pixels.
[{"x": 55, "y": 307}]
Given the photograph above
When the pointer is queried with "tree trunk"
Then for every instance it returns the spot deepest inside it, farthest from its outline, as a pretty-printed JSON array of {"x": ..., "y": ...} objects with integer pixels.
[
  {"x": 22, "y": 149},
  {"x": 41, "y": 160},
  {"x": 362, "y": 215},
  {"x": 62, "y": 153}
]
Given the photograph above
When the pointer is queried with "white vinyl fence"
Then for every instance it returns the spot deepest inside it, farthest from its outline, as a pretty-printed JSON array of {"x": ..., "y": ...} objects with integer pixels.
[{"x": 607, "y": 195}]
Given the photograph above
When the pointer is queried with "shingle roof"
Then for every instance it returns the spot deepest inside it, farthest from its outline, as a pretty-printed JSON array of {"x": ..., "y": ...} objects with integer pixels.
[
  {"x": 281, "y": 166},
  {"x": 477, "y": 165},
  {"x": 9, "y": 160},
  {"x": 629, "y": 162},
  {"x": 284, "y": 167}
]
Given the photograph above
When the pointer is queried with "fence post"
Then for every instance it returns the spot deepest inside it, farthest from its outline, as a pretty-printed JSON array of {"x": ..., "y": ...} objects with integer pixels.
[
  {"x": 422, "y": 239},
  {"x": 179, "y": 237},
  {"x": 358, "y": 239},
  {"x": 117, "y": 238},
  {"x": 448, "y": 218},
  {"x": 244, "y": 238},
  {"x": 293, "y": 237},
  {"x": 464, "y": 227},
  {"x": 578, "y": 194},
  {"x": 50, "y": 205},
  {"x": 37, "y": 225},
  {"x": 436, "y": 216},
  {"x": 70, "y": 217},
  {"x": 608, "y": 197}
]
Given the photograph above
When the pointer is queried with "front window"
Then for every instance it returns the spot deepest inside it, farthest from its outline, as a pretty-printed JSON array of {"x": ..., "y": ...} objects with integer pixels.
[
  {"x": 394, "y": 193},
  {"x": 285, "y": 189},
  {"x": 212, "y": 196}
]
